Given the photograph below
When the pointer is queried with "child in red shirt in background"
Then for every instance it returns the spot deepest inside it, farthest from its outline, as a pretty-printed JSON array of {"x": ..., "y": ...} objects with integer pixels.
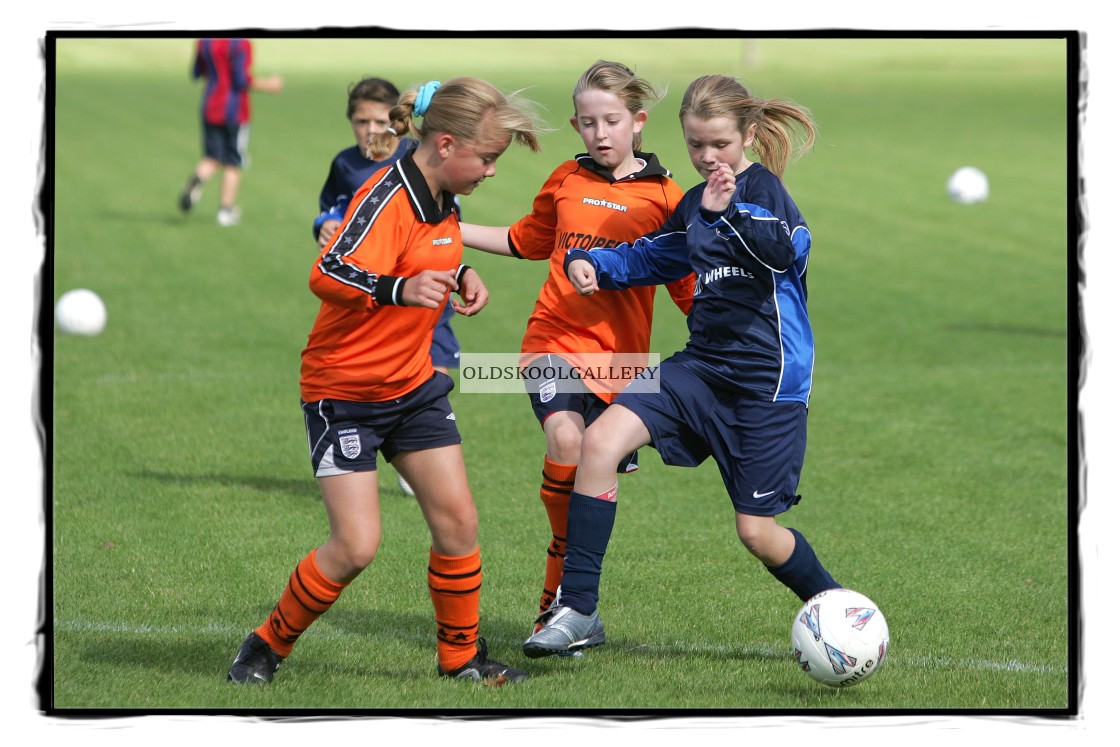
[{"x": 227, "y": 66}]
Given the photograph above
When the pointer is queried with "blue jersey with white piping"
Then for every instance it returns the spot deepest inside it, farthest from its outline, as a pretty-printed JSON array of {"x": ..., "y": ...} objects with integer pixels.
[{"x": 749, "y": 323}]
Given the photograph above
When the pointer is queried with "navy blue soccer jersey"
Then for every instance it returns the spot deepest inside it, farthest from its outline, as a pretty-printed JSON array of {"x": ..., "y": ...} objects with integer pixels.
[
  {"x": 749, "y": 324},
  {"x": 349, "y": 171}
]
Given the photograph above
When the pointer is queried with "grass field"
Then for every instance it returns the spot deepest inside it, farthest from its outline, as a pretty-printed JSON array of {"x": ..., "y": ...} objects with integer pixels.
[{"x": 938, "y": 471}]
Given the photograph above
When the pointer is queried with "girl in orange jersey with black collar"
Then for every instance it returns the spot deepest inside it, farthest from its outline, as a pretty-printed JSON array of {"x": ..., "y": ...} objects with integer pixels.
[
  {"x": 612, "y": 194},
  {"x": 367, "y": 381}
]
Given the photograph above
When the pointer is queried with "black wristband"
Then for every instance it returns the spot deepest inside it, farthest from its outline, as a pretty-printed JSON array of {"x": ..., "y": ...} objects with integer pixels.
[{"x": 389, "y": 290}]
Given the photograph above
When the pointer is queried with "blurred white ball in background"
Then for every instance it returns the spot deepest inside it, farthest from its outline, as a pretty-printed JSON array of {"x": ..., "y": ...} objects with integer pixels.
[
  {"x": 968, "y": 185},
  {"x": 80, "y": 312}
]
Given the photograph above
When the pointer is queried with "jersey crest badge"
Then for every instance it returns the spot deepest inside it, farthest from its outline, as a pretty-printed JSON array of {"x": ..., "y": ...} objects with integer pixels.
[
  {"x": 547, "y": 391},
  {"x": 351, "y": 446}
]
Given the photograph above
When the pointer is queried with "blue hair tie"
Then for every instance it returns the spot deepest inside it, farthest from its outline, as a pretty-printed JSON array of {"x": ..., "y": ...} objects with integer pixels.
[{"x": 424, "y": 98}]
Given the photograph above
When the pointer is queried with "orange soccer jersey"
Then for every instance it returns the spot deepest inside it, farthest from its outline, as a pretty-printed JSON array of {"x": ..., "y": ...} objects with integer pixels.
[
  {"x": 365, "y": 346},
  {"x": 582, "y": 205}
]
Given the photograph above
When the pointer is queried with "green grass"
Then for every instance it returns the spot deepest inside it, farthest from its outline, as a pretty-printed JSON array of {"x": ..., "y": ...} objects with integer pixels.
[{"x": 937, "y": 474}]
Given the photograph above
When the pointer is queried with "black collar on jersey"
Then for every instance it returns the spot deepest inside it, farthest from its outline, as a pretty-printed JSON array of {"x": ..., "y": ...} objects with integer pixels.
[
  {"x": 652, "y": 168},
  {"x": 419, "y": 195}
]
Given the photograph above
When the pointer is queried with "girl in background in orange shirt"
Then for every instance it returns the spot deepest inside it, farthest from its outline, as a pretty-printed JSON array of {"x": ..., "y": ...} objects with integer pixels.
[
  {"x": 367, "y": 383},
  {"x": 612, "y": 194}
]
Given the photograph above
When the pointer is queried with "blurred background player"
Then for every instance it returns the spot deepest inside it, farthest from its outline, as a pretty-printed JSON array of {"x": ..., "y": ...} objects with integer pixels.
[
  {"x": 367, "y": 109},
  {"x": 227, "y": 66},
  {"x": 739, "y": 391},
  {"x": 613, "y": 193},
  {"x": 367, "y": 383}
]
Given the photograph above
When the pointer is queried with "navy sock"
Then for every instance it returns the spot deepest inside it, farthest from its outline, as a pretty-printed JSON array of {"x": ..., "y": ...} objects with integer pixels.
[
  {"x": 803, "y": 573},
  {"x": 590, "y": 522}
]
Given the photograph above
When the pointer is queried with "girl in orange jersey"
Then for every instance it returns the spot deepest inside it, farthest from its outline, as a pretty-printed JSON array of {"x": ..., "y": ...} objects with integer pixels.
[
  {"x": 367, "y": 382},
  {"x": 609, "y": 195}
]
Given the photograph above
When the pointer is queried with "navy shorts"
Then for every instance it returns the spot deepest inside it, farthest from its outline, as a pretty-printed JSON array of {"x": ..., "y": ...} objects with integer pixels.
[
  {"x": 546, "y": 401},
  {"x": 226, "y": 144},
  {"x": 445, "y": 346},
  {"x": 344, "y": 437},
  {"x": 759, "y": 446}
]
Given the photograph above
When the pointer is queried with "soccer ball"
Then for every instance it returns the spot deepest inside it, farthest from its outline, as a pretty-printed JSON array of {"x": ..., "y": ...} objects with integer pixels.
[
  {"x": 80, "y": 312},
  {"x": 968, "y": 185},
  {"x": 840, "y": 637}
]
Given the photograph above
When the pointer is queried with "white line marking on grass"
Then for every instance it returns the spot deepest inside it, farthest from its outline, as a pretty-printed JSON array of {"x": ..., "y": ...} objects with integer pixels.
[
  {"x": 980, "y": 664},
  {"x": 326, "y": 631},
  {"x": 78, "y": 626},
  {"x": 191, "y": 375},
  {"x": 322, "y": 630},
  {"x": 927, "y": 662}
]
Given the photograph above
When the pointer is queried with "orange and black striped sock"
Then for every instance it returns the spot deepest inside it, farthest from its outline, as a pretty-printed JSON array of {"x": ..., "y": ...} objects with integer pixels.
[
  {"x": 556, "y": 492},
  {"x": 456, "y": 587},
  {"x": 309, "y": 594}
]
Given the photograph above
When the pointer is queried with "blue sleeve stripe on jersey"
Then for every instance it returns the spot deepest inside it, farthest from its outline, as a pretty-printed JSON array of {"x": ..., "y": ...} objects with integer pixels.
[
  {"x": 756, "y": 212},
  {"x": 795, "y": 342},
  {"x": 801, "y": 239},
  {"x": 781, "y": 338}
]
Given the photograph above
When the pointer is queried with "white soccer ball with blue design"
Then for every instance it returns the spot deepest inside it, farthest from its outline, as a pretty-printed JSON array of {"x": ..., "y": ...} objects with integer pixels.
[
  {"x": 968, "y": 185},
  {"x": 840, "y": 638}
]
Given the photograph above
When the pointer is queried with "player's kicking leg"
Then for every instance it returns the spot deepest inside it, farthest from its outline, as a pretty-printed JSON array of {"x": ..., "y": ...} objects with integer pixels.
[{"x": 573, "y": 623}]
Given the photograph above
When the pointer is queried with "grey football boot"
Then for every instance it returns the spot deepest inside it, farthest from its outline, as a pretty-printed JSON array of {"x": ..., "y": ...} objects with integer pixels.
[{"x": 563, "y": 632}]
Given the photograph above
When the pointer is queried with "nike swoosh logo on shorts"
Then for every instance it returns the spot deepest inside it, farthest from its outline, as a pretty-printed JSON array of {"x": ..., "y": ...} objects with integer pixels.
[{"x": 763, "y": 495}]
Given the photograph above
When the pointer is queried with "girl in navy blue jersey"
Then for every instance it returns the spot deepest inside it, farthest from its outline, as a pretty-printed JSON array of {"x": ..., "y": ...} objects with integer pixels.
[
  {"x": 739, "y": 391},
  {"x": 367, "y": 110}
]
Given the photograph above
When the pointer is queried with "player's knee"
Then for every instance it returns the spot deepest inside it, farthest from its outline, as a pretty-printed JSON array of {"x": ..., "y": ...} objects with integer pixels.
[
  {"x": 466, "y": 528},
  {"x": 762, "y": 536},
  {"x": 753, "y": 545},
  {"x": 564, "y": 444},
  {"x": 600, "y": 448},
  {"x": 457, "y": 527},
  {"x": 357, "y": 552}
]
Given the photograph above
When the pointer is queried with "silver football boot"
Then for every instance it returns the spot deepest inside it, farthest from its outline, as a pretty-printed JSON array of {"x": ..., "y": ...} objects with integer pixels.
[{"x": 564, "y": 632}]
